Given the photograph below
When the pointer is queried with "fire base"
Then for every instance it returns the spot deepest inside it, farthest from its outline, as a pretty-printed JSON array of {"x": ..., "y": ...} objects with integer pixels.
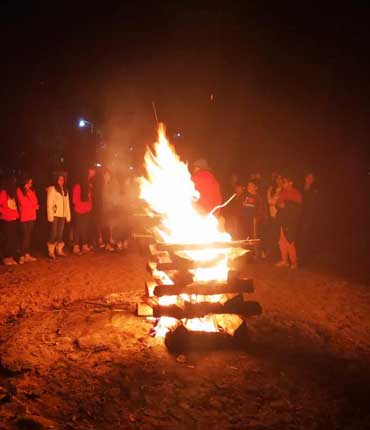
[
  {"x": 184, "y": 340},
  {"x": 172, "y": 293}
]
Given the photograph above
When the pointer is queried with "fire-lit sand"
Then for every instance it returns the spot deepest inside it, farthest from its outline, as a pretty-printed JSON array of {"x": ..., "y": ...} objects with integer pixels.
[{"x": 74, "y": 355}]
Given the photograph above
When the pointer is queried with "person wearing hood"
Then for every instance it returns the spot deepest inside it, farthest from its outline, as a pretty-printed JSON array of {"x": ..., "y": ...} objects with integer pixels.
[
  {"x": 208, "y": 187},
  {"x": 58, "y": 213}
]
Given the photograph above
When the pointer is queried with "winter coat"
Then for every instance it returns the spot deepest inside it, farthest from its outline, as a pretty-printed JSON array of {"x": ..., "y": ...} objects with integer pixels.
[
  {"x": 209, "y": 190},
  {"x": 81, "y": 206},
  {"x": 8, "y": 207},
  {"x": 57, "y": 205},
  {"x": 28, "y": 205}
]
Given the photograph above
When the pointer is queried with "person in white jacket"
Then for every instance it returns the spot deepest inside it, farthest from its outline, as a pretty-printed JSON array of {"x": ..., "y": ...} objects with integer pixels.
[{"x": 58, "y": 213}]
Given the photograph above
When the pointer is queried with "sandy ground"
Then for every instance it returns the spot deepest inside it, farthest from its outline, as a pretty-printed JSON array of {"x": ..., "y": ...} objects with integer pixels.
[{"x": 74, "y": 356}]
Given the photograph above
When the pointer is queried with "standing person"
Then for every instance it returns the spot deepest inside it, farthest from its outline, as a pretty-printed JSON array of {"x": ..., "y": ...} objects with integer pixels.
[
  {"x": 233, "y": 213},
  {"x": 289, "y": 208},
  {"x": 28, "y": 206},
  {"x": 208, "y": 187},
  {"x": 58, "y": 213},
  {"x": 308, "y": 228},
  {"x": 82, "y": 198},
  {"x": 94, "y": 227},
  {"x": 113, "y": 213},
  {"x": 251, "y": 205},
  {"x": 9, "y": 215},
  {"x": 273, "y": 193}
]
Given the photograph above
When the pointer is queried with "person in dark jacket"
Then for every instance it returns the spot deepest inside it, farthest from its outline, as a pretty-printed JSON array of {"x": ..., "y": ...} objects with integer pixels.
[
  {"x": 113, "y": 213},
  {"x": 233, "y": 212},
  {"x": 251, "y": 204},
  {"x": 308, "y": 228}
]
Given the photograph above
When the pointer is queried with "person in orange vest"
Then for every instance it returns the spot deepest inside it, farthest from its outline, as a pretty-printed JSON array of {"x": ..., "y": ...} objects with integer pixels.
[{"x": 208, "y": 187}]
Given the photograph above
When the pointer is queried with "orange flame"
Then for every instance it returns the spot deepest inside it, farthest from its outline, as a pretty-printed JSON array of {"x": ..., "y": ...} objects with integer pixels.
[{"x": 170, "y": 193}]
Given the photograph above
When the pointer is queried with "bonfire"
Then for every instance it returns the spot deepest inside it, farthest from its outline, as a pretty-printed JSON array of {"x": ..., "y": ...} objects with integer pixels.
[{"x": 192, "y": 254}]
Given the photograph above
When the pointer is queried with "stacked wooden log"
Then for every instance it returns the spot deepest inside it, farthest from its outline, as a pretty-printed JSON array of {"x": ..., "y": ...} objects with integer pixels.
[{"x": 225, "y": 303}]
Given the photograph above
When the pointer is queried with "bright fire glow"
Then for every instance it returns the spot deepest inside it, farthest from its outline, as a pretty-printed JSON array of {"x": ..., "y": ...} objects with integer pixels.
[{"x": 170, "y": 193}]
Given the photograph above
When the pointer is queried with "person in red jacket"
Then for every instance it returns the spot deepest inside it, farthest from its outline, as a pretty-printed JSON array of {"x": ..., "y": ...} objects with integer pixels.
[
  {"x": 28, "y": 206},
  {"x": 208, "y": 187},
  {"x": 82, "y": 199},
  {"x": 289, "y": 207},
  {"x": 9, "y": 215}
]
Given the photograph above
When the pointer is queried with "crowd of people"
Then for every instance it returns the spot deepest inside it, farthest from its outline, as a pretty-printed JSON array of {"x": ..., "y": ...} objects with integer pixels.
[
  {"x": 94, "y": 214},
  {"x": 278, "y": 212},
  {"x": 94, "y": 210}
]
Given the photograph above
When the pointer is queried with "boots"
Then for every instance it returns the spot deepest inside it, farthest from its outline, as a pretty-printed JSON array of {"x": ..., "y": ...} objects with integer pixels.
[
  {"x": 76, "y": 249},
  {"x": 85, "y": 249},
  {"x": 59, "y": 249},
  {"x": 28, "y": 258},
  {"x": 51, "y": 250},
  {"x": 9, "y": 261}
]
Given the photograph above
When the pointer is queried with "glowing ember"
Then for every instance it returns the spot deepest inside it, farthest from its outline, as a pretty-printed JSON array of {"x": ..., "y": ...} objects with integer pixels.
[{"x": 201, "y": 324}]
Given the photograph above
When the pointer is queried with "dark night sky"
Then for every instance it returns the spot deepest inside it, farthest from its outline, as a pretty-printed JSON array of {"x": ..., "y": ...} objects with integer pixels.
[{"x": 286, "y": 81}]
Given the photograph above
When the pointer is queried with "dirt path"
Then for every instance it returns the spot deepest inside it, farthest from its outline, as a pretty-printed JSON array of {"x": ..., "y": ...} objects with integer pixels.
[{"x": 74, "y": 356}]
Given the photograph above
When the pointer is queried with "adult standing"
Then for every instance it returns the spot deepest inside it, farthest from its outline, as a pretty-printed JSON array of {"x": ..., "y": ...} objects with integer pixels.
[
  {"x": 208, "y": 187},
  {"x": 58, "y": 213},
  {"x": 308, "y": 230},
  {"x": 28, "y": 207},
  {"x": 9, "y": 215},
  {"x": 289, "y": 209},
  {"x": 82, "y": 198},
  {"x": 272, "y": 194}
]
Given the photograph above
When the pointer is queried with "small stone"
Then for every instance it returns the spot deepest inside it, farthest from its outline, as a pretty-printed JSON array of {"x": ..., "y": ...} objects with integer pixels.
[
  {"x": 278, "y": 404},
  {"x": 181, "y": 358}
]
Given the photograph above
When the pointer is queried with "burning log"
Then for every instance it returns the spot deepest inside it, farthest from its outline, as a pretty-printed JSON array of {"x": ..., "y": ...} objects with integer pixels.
[
  {"x": 248, "y": 243},
  {"x": 207, "y": 289},
  {"x": 181, "y": 339},
  {"x": 198, "y": 310},
  {"x": 182, "y": 264}
]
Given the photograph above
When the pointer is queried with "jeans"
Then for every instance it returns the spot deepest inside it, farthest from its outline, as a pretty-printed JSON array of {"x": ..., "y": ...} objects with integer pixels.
[
  {"x": 27, "y": 229},
  {"x": 10, "y": 230},
  {"x": 57, "y": 229},
  {"x": 82, "y": 225}
]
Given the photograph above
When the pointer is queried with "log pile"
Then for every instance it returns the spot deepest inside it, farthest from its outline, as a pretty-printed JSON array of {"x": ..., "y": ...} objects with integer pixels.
[{"x": 225, "y": 304}]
